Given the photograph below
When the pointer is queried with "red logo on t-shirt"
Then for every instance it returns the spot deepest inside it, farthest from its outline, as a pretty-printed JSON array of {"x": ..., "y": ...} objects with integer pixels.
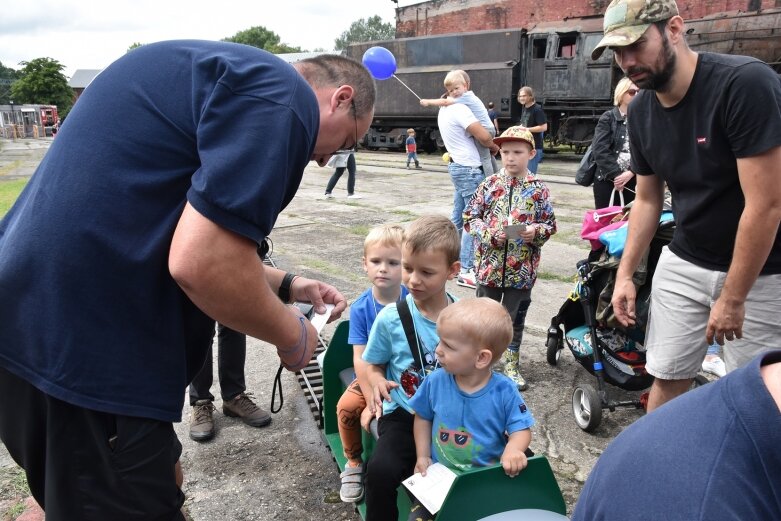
[{"x": 702, "y": 140}]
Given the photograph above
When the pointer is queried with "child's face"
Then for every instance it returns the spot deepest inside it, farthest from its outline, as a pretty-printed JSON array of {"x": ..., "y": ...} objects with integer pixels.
[
  {"x": 516, "y": 156},
  {"x": 456, "y": 353},
  {"x": 456, "y": 90},
  {"x": 425, "y": 273},
  {"x": 382, "y": 265}
]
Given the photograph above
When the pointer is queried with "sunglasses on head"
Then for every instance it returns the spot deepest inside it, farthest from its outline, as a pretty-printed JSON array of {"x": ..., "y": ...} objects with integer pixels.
[{"x": 632, "y": 92}]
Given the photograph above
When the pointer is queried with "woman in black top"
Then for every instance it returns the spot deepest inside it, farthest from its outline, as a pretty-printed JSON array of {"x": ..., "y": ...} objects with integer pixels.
[{"x": 610, "y": 148}]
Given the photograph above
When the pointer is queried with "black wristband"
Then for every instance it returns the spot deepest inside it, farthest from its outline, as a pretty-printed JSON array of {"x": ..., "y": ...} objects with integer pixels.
[{"x": 284, "y": 287}]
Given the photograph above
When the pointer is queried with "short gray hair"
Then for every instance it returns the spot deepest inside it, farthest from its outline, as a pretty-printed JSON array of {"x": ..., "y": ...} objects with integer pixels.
[{"x": 331, "y": 70}]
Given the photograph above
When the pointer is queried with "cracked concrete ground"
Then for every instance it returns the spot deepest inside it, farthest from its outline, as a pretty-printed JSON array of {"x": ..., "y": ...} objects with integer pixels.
[{"x": 284, "y": 471}]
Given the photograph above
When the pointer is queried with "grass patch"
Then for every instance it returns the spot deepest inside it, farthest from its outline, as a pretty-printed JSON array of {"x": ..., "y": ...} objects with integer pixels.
[
  {"x": 544, "y": 275},
  {"x": 405, "y": 215},
  {"x": 361, "y": 230},
  {"x": 9, "y": 191}
]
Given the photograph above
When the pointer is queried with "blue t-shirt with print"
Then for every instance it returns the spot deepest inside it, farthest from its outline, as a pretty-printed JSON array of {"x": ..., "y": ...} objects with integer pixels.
[
  {"x": 363, "y": 313},
  {"x": 468, "y": 428},
  {"x": 388, "y": 346}
]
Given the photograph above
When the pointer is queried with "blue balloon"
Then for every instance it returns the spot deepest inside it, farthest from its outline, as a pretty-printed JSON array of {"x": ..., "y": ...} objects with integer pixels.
[{"x": 380, "y": 62}]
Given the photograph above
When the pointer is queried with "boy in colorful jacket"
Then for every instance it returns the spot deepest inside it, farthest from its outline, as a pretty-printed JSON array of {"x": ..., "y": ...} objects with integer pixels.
[{"x": 511, "y": 218}]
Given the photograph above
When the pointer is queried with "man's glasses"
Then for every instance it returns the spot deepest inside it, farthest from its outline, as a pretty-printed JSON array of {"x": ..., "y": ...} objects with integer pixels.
[
  {"x": 354, "y": 148},
  {"x": 632, "y": 92}
]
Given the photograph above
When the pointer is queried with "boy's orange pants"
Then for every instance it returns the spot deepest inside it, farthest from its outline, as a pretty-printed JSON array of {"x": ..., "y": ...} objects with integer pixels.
[{"x": 348, "y": 411}]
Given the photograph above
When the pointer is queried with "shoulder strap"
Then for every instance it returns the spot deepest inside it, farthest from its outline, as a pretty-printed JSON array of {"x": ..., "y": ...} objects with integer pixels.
[{"x": 405, "y": 315}]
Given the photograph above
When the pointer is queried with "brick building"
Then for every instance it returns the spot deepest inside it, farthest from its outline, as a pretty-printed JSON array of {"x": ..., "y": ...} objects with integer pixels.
[{"x": 457, "y": 16}]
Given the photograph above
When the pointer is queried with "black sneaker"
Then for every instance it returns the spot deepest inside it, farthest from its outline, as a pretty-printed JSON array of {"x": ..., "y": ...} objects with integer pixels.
[
  {"x": 243, "y": 407},
  {"x": 201, "y": 421}
]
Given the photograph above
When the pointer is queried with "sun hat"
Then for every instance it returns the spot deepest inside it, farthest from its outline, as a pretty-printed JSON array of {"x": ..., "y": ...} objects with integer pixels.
[
  {"x": 515, "y": 134},
  {"x": 626, "y": 21}
]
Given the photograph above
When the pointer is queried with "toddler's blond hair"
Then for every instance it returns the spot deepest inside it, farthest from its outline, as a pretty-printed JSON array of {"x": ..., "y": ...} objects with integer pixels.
[{"x": 482, "y": 321}]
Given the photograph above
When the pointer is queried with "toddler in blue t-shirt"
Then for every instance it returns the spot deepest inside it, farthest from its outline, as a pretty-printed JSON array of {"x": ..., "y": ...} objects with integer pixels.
[{"x": 465, "y": 414}]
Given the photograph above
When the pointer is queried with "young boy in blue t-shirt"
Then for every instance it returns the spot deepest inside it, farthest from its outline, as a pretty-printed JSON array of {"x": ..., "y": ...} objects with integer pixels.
[
  {"x": 465, "y": 414},
  {"x": 429, "y": 256},
  {"x": 382, "y": 264}
]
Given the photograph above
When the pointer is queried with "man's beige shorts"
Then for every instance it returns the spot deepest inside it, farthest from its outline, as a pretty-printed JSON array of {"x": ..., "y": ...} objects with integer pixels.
[{"x": 681, "y": 300}]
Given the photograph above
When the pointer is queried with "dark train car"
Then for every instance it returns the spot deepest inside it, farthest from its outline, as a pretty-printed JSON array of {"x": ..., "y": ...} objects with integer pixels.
[{"x": 552, "y": 57}]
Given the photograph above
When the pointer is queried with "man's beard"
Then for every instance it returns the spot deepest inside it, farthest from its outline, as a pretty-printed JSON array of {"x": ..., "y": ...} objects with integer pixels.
[{"x": 658, "y": 80}]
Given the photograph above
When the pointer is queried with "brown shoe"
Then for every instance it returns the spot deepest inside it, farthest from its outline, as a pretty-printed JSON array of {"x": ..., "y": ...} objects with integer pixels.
[
  {"x": 243, "y": 407},
  {"x": 201, "y": 421}
]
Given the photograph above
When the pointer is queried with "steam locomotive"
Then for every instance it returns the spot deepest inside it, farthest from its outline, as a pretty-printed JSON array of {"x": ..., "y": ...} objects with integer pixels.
[{"x": 552, "y": 57}]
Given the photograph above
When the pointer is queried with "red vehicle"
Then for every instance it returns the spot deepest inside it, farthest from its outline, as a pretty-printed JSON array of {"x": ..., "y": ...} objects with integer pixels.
[{"x": 49, "y": 117}]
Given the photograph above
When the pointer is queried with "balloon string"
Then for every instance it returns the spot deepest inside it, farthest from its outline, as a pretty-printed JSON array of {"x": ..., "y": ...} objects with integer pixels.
[{"x": 412, "y": 91}]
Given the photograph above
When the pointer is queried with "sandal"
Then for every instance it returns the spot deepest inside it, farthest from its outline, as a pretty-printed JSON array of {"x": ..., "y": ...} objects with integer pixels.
[{"x": 352, "y": 484}]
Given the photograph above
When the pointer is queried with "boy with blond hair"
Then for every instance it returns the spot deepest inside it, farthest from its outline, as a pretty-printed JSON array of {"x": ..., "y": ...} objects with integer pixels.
[
  {"x": 458, "y": 89},
  {"x": 511, "y": 217},
  {"x": 430, "y": 251},
  {"x": 465, "y": 414},
  {"x": 382, "y": 264}
]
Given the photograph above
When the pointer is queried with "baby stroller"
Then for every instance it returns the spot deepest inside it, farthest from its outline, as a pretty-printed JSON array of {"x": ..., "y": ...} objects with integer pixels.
[{"x": 606, "y": 349}]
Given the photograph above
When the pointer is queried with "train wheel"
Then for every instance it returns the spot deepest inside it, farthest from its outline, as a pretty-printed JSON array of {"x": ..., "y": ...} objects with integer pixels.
[{"x": 587, "y": 407}]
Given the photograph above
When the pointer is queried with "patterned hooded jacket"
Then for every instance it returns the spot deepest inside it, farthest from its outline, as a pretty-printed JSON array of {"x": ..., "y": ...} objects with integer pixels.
[{"x": 525, "y": 200}]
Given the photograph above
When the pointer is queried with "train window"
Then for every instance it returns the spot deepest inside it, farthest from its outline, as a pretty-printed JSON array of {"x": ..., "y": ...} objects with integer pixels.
[
  {"x": 539, "y": 46},
  {"x": 567, "y": 46}
]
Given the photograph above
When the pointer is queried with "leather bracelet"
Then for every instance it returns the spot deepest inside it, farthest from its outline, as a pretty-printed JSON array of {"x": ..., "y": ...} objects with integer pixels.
[{"x": 284, "y": 287}]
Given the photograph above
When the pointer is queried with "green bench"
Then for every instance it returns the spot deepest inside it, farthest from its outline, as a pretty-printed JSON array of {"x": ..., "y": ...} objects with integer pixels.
[{"x": 475, "y": 494}]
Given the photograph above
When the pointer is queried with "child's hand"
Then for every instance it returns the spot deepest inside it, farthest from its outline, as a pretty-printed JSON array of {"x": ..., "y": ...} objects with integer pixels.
[
  {"x": 424, "y": 102},
  {"x": 499, "y": 236},
  {"x": 422, "y": 464},
  {"x": 380, "y": 392},
  {"x": 513, "y": 461},
  {"x": 529, "y": 233},
  {"x": 366, "y": 418}
]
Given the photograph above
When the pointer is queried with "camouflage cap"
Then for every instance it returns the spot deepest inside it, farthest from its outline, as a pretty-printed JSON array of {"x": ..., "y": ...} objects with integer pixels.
[
  {"x": 627, "y": 20},
  {"x": 515, "y": 134}
]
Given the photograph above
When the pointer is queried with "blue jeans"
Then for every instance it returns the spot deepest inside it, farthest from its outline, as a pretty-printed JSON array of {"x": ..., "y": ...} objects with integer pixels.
[
  {"x": 465, "y": 179},
  {"x": 535, "y": 161}
]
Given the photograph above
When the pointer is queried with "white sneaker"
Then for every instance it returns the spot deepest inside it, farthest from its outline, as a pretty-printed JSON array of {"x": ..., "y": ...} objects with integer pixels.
[
  {"x": 466, "y": 279},
  {"x": 328, "y": 196},
  {"x": 354, "y": 196},
  {"x": 714, "y": 366}
]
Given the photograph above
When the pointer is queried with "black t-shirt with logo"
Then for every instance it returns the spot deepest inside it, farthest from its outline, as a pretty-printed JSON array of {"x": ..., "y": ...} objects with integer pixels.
[{"x": 731, "y": 110}]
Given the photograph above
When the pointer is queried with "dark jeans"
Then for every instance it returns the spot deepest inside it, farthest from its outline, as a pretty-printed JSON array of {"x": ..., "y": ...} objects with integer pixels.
[
  {"x": 87, "y": 465},
  {"x": 392, "y": 461},
  {"x": 350, "y": 176},
  {"x": 515, "y": 301},
  {"x": 231, "y": 352}
]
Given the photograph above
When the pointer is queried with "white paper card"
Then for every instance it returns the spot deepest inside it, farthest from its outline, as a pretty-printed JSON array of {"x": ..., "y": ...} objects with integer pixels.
[
  {"x": 432, "y": 488},
  {"x": 513, "y": 231},
  {"x": 319, "y": 320}
]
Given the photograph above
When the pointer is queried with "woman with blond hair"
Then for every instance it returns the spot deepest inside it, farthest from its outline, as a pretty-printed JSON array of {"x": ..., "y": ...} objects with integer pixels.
[{"x": 610, "y": 148}]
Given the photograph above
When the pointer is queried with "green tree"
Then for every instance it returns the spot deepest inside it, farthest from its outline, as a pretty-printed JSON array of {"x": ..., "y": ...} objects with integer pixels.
[
  {"x": 261, "y": 38},
  {"x": 365, "y": 30},
  {"x": 43, "y": 83},
  {"x": 7, "y": 77},
  {"x": 135, "y": 45}
]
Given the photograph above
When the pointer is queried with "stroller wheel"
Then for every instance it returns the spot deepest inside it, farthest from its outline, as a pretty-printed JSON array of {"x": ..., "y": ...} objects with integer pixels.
[
  {"x": 587, "y": 407},
  {"x": 553, "y": 349},
  {"x": 699, "y": 381}
]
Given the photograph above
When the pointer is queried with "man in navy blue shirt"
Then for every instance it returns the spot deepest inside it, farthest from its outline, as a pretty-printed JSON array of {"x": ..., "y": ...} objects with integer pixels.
[
  {"x": 139, "y": 229},
  {"x": 708, "y": 455}
]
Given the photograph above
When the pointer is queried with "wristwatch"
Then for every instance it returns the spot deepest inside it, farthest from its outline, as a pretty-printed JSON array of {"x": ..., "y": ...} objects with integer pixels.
[{"x": 284, "y": 287}]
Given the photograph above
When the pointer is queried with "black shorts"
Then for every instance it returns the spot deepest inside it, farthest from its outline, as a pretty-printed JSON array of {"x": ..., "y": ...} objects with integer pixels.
[{"x": 86, "y": 465}]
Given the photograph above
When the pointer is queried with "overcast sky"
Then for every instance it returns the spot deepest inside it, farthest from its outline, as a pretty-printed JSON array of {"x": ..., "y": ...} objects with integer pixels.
[{"x": 90, "y": 34}]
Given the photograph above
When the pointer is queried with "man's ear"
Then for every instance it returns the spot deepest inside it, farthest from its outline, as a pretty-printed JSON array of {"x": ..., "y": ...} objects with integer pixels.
[
  {"x": 677, "y": 28},
  {"x": 484, "y": 358},
  {"x": 342, "y": 97}
]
